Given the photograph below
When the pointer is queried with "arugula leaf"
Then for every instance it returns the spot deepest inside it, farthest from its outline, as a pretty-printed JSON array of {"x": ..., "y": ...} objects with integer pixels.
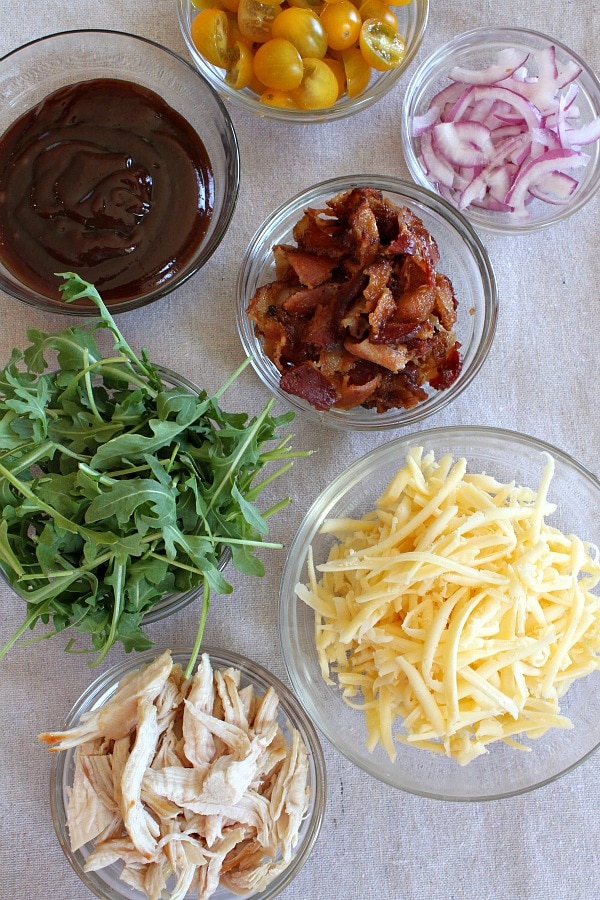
[{"x": 118, "y": 490}]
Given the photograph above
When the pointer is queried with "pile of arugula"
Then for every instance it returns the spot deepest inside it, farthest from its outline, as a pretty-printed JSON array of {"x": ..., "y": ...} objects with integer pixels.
[{"x": 118, "y": 489}]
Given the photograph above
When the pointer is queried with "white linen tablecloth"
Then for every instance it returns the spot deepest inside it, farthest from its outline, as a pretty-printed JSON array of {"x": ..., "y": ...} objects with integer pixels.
[{"x": 541, "y": 377}]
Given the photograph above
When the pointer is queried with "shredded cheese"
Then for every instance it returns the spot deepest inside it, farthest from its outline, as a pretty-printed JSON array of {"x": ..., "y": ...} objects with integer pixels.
[{"x": 454, "y": 607}]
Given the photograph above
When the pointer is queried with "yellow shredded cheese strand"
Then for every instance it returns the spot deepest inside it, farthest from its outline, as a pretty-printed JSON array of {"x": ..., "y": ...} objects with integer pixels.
[{"x": 455, "y": 609}]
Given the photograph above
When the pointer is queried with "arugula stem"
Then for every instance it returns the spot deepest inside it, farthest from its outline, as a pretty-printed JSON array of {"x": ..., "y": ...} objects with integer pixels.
[
  {"x": 26, "y": 462},
  {"x": 88, "y": 386},
  {"x": 60, "y": 520},
  {"x": 230, "y": 380},
  {"x": 118, "y": 583},
  {"x": 277, "y": 507},
  {"x": 244, "y": 542},
  {"x": 28, "y": 622},
  {"x": 199, "y": 634},
  {"x": 75, "y": 288},
  {"x": 254, "y": 492},
  {"x": 70, "y": 573},
  {"x": 250, "y": 434},
  {"x": 175, "y": 562},
  {"x": 97, "y": 476}
]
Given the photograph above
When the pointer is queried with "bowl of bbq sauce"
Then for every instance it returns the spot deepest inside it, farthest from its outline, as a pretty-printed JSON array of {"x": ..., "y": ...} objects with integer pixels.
[{"x": 118, "y": 161}]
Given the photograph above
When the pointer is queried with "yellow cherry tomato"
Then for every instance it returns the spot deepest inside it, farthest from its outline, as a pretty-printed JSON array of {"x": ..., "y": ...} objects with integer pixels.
[
  {"x": 278, "y": 64},
  {"x": 303, "y": 29},
  {"x": 207, "y": 4},
  {"x": 381, "y": 45},
  {"x": 239, "y": 71},
  {"x": 378, "y": 9},
  {"x": 234, "y": 33},
  {"x": 230, "y": 5},
  {"x": 337, "y": 67},
  {"x": 342, "y": 22},
  {"x": 318, "y": 88},
  {"x": 315, "y": 5},
  {"x": 210, "y": 36},
  {"x": 358, "y": 71},
  {"x": 279, "y": 99},
  {"x": 255, "y": 19}
]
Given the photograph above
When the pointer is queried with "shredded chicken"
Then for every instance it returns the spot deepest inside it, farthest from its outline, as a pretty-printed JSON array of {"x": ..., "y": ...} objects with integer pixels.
[
  {"x": 358, "y": 315},
  {"x": 187, "y": 785}
]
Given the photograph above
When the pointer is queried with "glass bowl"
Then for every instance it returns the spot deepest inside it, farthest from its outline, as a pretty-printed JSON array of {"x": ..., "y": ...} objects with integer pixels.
[
  {"x": 503, "y": 771},
  {"x": 412, "y": 21},
  {"x": 105, "y": 883},
  {"x": 477, "y": 49},
  {"x": 463, "y": 259},
  {"x": 32, "y": 72}
]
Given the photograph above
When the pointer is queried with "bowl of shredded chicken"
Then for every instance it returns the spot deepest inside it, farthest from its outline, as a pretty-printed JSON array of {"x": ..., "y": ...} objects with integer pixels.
[
  {"x": 167, "y": 786},
  {"x": 366, "y": 303},
  {"x": 440, "y": 613}
]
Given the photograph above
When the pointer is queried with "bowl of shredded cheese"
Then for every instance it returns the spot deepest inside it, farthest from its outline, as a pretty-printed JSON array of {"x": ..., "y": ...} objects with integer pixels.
[{"x": 439, "y": 613}]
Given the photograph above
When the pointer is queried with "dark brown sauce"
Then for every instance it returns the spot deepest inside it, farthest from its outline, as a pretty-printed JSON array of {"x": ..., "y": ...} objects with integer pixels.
[{"x": 105, "y": 179}]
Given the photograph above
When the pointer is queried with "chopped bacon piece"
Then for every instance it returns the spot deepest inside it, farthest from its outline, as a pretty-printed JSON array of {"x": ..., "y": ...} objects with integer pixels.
[
  {"x": 381, "y": 354},
  {"x": 306, "y": 300},
  {"x": 307, "y": 382},
  {"x": 358, "y": 315},
  {"x": 445, "y": 301},
  {"x": 311, "y": 269},
  {"x": 417, "y": 305}
]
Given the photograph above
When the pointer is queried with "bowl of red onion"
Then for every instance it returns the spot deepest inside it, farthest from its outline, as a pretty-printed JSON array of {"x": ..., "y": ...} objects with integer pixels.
[{"x": 504, "y": 123}]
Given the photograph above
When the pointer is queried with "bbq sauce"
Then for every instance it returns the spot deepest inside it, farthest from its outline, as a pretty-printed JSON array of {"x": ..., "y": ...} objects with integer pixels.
[{"x": 105, "y": 179}]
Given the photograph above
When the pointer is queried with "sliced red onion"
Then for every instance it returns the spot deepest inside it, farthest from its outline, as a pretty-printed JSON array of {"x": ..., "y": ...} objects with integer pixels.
[
  {"x": 533, "y": 173},
  {"x": 507, "y": 61},
  {"x": 587, "y": 134},
  {"x": 479, "y": 186},
  {"x": 501, "y": 137},
  {"x": 463, "y": 143},
  {"x": 438, "y": 170},
  {"x": 571, "y": 71},
  {"x": 519, "y": 106},
  {"x": 555, "y": 187},
  {"x": 424, "y": 123}
]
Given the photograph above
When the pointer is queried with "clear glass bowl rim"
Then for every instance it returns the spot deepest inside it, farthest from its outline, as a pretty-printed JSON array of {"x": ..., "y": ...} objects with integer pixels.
[
  {"x": 342, "y": 485},
  {"x": 251, "y": 671},
  {"x": 342, "y": 109},
  {"x": 345, "y": 419},
  {"x": 432, "y": 66},
  {"x": 233, "y": 165}
]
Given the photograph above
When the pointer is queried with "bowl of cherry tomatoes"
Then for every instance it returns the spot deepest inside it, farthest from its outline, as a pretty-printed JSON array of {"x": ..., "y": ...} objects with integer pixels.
[{"x": 303, "y": 61}]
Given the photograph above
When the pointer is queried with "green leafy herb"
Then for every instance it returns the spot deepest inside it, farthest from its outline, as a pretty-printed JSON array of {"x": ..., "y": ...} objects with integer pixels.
[{"x": 118, "y": 487}]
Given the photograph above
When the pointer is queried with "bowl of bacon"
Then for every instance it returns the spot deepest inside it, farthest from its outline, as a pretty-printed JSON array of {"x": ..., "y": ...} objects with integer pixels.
[
  {"x": 366, "y": 303},
  {"x": 505, "y": 124},
  {"x": 208, "y": 783},
  {"x": 439, "y": 613}
]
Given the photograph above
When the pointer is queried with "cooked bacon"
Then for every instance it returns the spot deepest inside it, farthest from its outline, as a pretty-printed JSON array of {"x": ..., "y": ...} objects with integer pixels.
[
  {"x": 385, "y": 310},
  {"x": 448, "y": 370},
  {"x": 308, "y": 382},
  {"x": 305, "y": 300},
  {"x": 358, "y": 315},
  {"x": 310, "y": 269},
  {"x": 417, "y": 305},
  {"x": 445, "y": 301},
  {"x": 317, "y": 235},
  {"x": 381, "y": 354},
  {"x": 351, "y": 395}
]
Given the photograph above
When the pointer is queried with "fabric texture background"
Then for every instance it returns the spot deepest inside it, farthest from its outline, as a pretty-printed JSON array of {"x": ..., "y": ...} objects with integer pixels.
[{"x": 541, "y": 377}]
